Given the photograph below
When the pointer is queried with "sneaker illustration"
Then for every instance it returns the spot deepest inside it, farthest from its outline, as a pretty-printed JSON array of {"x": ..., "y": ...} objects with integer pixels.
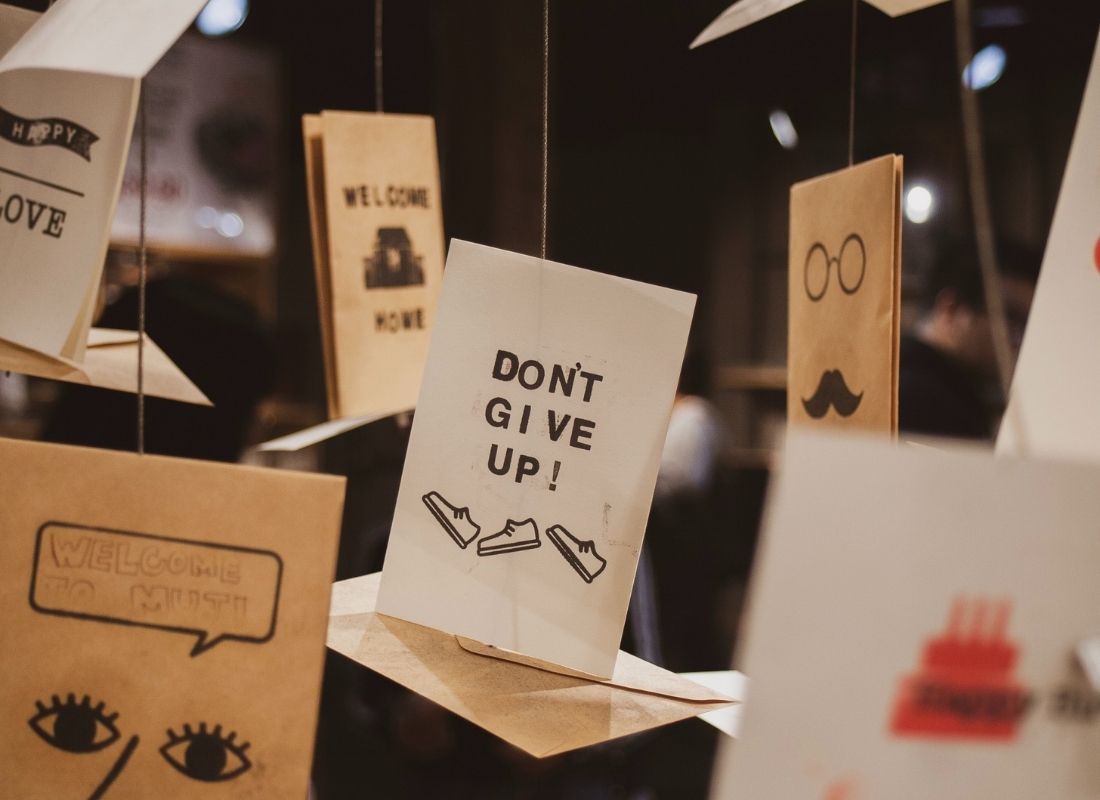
[
  {"x": 456, "y": 521},
  {"x": 515, "y": 536},
  {"x": 581, "y": 556}
]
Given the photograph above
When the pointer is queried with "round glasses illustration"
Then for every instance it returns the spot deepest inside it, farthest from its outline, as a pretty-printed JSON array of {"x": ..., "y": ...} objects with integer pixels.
[{"x": 851, "y": 266}]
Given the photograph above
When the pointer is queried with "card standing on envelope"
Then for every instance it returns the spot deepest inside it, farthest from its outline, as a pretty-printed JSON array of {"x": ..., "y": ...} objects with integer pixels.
[
  {"x": 912, "y": 628},
  {"x": 845, "y": 293},
  {"x": 68, "y": 96},
  {"x": 377, "y": 219},
  {"x": 533, "y": 456},
  {"x": 164, "y": 624}
]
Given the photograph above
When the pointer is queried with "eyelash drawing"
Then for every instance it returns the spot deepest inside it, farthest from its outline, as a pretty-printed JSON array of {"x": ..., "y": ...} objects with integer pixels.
[
  {"x": 74, "y": 727},
  {"x": 205, "y": 755}
]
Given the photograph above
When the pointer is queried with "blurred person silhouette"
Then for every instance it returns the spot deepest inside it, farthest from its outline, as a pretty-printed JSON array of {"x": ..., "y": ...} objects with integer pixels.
[
  {"x": 948, "y": 378},
  {"x": 217, "y": 340}
]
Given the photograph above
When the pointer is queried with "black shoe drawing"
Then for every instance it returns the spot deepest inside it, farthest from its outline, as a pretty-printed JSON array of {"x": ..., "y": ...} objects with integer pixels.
[
  {"x": 582, "y": 556},
  {"x": 515, "y": 536},
  {"x": 456, "y": 521}
]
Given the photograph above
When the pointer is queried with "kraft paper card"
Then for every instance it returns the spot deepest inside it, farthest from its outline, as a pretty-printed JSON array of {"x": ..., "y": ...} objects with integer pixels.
[
  {"x": 912, "y": 626},
  {"x": 845, "y": 297},
  {"x": 377, "y": 220},
  {"x": 533, "y": 456},
  {"x": 68, "y": 96},
  {"x": 541, "y": 712},
  {"x": 164, "y": 624},
  {"x": 1052, "y": 409},
  {"x": 746, "y": 12},
  {"x": 110, "y": 362}
]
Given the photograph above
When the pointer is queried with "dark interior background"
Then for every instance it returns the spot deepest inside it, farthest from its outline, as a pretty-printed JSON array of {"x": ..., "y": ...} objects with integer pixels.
[{"x": 663, "y": 168}]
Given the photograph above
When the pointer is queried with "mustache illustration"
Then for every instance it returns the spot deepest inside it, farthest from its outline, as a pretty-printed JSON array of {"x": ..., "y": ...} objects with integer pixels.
[{"x": 832, "y": 391}]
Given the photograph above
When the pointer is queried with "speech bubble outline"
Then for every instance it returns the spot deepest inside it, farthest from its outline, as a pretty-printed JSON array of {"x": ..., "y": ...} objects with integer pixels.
[{"x": 205, "y": 641}]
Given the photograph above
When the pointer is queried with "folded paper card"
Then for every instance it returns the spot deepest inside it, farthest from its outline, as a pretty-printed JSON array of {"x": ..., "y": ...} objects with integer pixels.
[
  {"x": 1057, "y": 379},
  {"x": 844, "y": 298},
  {"x": 745, "y": 12},
  {"x": 377, "y": 220},
  {"x": 537, "y": 435},
  {"x": 68, "y": 97},
  {"x": 110, "y": 362},
  {"x": 912, "y": 627},
  {"x": 543, "y": 713},
  {"x": 164, "y": 624}
]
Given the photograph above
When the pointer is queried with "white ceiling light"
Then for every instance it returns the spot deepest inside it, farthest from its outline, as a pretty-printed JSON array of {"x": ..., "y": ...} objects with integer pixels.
[
  {"x": 985, "y": 68},
  {"x": 918, "y": 204},
  {"x": 222, "y": 17},
  {"x": 783, "y": 129}
]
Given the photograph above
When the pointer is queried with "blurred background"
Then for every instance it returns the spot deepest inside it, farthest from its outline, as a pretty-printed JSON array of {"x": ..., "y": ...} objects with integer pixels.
[{"x": 666, "y": 165}]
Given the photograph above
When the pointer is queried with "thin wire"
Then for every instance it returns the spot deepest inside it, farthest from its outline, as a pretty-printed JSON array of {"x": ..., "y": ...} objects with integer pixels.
[
  {"x": 979, "y": 202},
  {"x": 852, "y": 88},
  {"x": 143, "y": 268},
  {"x": 378, "y": 55},
  {"x": 545, "y": 123}
]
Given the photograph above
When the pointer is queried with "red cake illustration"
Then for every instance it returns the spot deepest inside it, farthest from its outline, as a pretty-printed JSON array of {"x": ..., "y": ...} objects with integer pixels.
[{"x": 964, "y": 688}]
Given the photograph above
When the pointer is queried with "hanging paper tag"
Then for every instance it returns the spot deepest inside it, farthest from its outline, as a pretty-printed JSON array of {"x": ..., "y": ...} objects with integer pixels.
[
  {"x": 941, "y": 593},
  {"x": 164, "y": 623},
  {"x": 845, "y": 252},
  {"x": 377, "y": 220},
  {"x": 533, "y": 456},
  {"x": 1052, "y": 410},
  {"x": 68, "y": 96}
]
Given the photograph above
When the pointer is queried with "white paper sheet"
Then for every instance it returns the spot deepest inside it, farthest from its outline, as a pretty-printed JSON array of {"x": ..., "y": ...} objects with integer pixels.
[
  {"x": 68, "y": 94},
  {"x": 1052, "y": 410},
  {"x": 730, "y": 683},
  {"x": 540, "y": 558},
  {"x": 912, "y": 628},
  {"x": 746, "y": 12}
]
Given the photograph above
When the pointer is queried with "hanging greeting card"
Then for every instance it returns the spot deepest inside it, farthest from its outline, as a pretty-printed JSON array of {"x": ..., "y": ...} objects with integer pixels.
[
  {"x": 533, "y": 456},
  {"x": 164, "y": 624},
  {"x": 377, "y": 220},
  {"x": 1057, "y": 379},
  {"x": 845, "y": 290},
  {"x": 68, "y": 93},
  {"x": 745, "y": 12},
  {"x": 913, "y": 624}
]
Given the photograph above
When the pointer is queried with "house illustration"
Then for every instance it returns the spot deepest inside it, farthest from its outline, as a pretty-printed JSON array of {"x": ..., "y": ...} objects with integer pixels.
[{"x": 393, "y": 262}]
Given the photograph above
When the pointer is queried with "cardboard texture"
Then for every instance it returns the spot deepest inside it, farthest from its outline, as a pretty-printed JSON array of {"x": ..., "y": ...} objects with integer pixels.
[
  {"x": 746, "y": 12},
  {"x": 377, "y": 220},
  {"x": 163, "y": 624},
  {"x": 845, "y": 298},
  {"x": 543, "y": 713},
  {"x": 68, "y": 96},
  {"x": 533, "y": 456},
  {"x": 308, "y": 437},
  {"x": 912, "y": 625},
  {"x": 110, "y": 362},
  {"x": 1051, "y": 410}
]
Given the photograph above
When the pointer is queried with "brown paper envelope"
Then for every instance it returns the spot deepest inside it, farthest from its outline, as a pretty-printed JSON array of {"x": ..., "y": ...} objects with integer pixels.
[
  {"x": 844, "y": 298},
  {"x": 318, "y": 224},
  {"x": 110, "y": 362},
  {"x": 382, "y": 206},
  {"x": 543, "y": 713},
  {"x": 185, "y": 600}
]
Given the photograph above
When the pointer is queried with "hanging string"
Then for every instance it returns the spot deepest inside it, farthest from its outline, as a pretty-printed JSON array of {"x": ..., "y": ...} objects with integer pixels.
[
  {"x": 378, "y": 55},
  {"x": 979, "y": 201},
  {"x": 143, "y": 269},
  {"x": 545, "y": 123},
  {"x": 852, "y": 88}
]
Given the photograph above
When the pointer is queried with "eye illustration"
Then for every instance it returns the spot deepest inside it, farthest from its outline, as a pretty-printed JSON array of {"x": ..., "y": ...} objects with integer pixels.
[
  {"x": 206, "y": 755},
  {"x": 74, "y": 727}
]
